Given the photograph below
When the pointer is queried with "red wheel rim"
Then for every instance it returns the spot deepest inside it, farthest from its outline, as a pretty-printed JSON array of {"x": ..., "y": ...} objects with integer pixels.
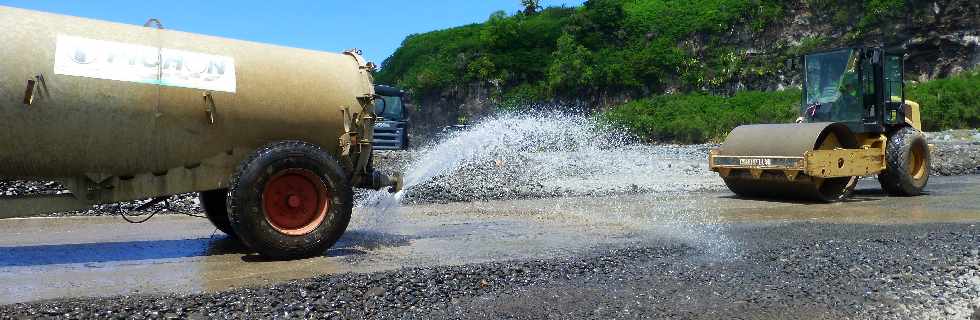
[{"x": 295, "y": 201}]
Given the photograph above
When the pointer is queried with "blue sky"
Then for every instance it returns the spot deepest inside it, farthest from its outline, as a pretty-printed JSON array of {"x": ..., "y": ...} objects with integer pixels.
[{"x": 376, "y": 27}]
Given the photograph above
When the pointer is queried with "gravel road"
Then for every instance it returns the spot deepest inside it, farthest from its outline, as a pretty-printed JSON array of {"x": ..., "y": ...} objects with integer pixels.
[
  {"x": 806, "y": 262},
  {"x": 873, "y": 257},
  {"x": 794, "y": 271}
]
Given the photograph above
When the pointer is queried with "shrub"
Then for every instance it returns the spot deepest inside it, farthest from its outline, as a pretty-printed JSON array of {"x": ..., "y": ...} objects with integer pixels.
[
  {"x": 698, "y": 117},
  {"x": 951, "y": 103}
]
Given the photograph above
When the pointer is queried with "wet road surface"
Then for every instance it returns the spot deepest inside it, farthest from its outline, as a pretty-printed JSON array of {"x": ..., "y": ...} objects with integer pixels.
[{"x": 46, "y": 258}]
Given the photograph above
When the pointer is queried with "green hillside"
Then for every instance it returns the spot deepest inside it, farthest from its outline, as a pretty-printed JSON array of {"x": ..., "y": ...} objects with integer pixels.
[
  {"x": 618, "y": 45},
  {"x": 605, "y": 45},
  {"x": 626, "y": 50}
]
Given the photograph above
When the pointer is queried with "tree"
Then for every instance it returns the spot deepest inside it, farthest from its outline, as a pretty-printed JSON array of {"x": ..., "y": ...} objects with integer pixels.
[
  {"x": 599, "y": 24},
  {"x": 571, "y": 72},
  {"x": 531, "y": 6}
]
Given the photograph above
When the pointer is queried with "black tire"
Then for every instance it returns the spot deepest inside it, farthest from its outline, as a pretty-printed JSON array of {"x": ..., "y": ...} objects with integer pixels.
[
  {"x": 248, "y": 210},
  {"x": 405, "y": 143},
  {"x": 907, "y": 157},
  {"x": 214, "y": 203}
]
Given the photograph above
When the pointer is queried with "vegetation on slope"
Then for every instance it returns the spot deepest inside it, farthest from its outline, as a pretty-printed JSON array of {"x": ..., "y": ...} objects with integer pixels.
[
  {"x": 614, "y": 47},
  {"x": 694, "y": 50},
  {"x": 697, "y": 117},
  {"x": 951, "y": 103}
]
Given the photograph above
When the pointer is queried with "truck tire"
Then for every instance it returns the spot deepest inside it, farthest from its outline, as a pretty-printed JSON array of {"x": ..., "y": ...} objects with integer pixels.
[
  {"x": 907, "y": 159},
  {"x": 214, "y": 203},
  {"x": 290, "y": 200},
  {"x": 405, "y": 143}
]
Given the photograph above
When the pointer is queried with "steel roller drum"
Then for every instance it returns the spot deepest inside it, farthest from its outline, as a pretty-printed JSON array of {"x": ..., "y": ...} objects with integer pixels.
[{"x": 787, "y": 140}]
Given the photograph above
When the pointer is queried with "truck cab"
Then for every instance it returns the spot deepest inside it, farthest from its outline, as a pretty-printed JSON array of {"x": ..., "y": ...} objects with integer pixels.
[{"x": 391, "y": 131}]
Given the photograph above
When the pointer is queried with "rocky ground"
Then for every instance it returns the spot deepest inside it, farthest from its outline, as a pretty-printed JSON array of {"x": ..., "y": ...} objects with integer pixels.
[
  {"x": 520, "y": 176},
  {"x": 682, "y": 167},
  {"x": 955, "y": 152},
  {"x": 796, "y": 271},
  {"x": 628, "y": 170},
  {"x": 187, "y": 203}
]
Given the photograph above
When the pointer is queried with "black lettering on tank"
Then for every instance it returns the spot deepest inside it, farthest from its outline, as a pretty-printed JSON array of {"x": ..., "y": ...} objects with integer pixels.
[
  {"x": 216, "y": 67},
  {"x": 82, "y": 57},
  {"x": 176, "y": 61},
  {"x": 151, "y": 61}
]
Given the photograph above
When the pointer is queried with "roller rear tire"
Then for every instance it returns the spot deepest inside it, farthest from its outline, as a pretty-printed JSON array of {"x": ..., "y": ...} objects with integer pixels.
[
  {"x": 907, "y": 157},
  {"x": 290, "y": 200}
]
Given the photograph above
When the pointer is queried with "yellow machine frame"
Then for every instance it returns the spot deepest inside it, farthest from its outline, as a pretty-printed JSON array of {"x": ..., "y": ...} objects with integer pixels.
[{"x": 867, "y": 160}]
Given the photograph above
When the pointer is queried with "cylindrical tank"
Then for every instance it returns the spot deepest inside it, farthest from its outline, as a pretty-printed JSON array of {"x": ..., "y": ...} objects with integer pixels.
[{"x": 118, "y": 99}]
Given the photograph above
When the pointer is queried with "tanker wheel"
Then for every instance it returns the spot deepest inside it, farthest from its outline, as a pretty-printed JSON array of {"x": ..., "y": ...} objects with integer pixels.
[
  {"x": 290, "y": 200},
  {"x": 214, "y": 203},
  {"x": 907, "y": 158}
]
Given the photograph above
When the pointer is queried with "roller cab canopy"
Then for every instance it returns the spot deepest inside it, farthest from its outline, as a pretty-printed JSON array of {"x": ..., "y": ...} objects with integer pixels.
[{"x": 860, "y": 87}]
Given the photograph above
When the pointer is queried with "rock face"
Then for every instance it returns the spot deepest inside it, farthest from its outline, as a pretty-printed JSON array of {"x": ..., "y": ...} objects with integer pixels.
[{"x": 941, "y": 37}]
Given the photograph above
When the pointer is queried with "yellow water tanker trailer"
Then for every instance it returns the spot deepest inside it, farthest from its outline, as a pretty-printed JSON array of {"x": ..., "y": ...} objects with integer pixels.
[{"x": 273, "y": 138}]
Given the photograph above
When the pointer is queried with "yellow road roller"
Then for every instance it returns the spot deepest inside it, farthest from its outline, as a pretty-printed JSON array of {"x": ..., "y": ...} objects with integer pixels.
[{"x": 854, "y": 122}]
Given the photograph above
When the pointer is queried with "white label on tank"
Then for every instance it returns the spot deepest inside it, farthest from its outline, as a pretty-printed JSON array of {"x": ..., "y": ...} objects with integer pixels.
[{"x": 137, "y": 63}]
